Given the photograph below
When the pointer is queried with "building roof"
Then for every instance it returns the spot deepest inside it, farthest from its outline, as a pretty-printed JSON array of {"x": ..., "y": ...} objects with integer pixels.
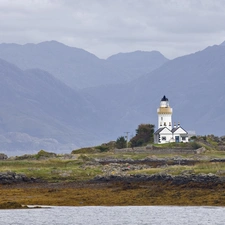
[
  {"x": 161, "y": 129},
  {"x": 176, "y": 128},
  {"x": 164, "y": 98}
]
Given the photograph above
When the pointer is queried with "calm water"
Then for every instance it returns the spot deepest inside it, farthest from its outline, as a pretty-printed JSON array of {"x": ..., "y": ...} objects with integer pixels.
[{"x": 135, "y": 215}]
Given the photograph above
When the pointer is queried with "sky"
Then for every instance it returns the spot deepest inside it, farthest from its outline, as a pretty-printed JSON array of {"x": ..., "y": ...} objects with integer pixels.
[{"x": 107, "y": 27}]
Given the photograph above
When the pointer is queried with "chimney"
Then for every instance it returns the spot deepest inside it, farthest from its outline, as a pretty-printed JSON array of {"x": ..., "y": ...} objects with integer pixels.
[{"x": 174, "y": 126}]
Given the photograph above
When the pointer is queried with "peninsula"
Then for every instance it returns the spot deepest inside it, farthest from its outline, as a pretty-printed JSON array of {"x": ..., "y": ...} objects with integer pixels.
[{"x": 105, "y": 175}]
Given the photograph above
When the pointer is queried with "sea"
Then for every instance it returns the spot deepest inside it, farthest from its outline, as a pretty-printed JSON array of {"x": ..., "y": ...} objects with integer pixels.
[{"x": 116, "y": 215}]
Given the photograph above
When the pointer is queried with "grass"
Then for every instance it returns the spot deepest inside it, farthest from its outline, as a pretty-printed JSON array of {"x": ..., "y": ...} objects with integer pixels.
[
  {"x": 214, "y": 154},
  {"x": 213, "y": 167},
  {"x": 82, "y": 168},
  {"x": 51, "y": 170},
  {"x": 178, "y": 145}
]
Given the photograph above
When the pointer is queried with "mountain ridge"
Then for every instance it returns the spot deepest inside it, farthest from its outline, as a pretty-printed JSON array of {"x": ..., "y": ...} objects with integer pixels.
[
  {"x": 36, "y": 103},
  {"x": 73, "y": 66}
]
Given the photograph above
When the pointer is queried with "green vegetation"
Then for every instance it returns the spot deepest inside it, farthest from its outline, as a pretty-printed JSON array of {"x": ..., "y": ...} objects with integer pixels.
[
  {"x": 83, "y": 163},
  {"x": 193, "y": 145},
  {"x": 121, "y": 142},
  {"x": 52, "y": 169},
  {"x": 144, "y": 135},
  {"x": 66, "y": 176},
  {"x": 96, "y": 149}
]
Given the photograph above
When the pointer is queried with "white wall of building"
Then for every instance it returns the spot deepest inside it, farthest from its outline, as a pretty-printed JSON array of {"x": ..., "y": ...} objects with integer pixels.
[{"x": 165, "y": 120}]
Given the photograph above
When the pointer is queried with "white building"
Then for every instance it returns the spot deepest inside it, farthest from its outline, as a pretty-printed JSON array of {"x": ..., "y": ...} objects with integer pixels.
[{"x": 166, "y": 132}]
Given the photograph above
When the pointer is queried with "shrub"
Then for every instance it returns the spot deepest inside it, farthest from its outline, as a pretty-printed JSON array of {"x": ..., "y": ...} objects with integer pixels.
[
  {"x": 102, "y": 148},
  {"x": 121, "y": 142},
  {"x": 144, "y": 135},
  {"x": 44, "y": 154}
]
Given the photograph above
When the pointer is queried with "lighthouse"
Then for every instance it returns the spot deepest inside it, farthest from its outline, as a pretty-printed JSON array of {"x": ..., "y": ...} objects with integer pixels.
[
  {"x": 164, "y": 114},
  {"x": 166, "y": 133}
]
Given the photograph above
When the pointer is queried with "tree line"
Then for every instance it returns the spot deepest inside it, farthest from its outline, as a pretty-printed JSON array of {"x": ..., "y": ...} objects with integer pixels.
[{"x": 144, "y": 135}]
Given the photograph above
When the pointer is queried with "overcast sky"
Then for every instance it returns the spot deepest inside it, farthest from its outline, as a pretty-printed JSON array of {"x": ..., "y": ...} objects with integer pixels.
[{"x": 106, "y": 27}]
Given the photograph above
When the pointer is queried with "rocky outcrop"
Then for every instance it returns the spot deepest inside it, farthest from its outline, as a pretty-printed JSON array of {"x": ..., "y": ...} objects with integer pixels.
[
  {"x": 3, "y": 156},
  {"x": 11, "y": 177},
  {"x": 218, "y": 160},
  {"x": 121, "y": 169},
  {"x": 175, "y": 180},
  {"x": 153, "y": 161}
]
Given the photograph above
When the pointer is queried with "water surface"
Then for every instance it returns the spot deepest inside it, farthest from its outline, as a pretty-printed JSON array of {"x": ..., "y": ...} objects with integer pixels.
[{"x": 127, "y": 215}]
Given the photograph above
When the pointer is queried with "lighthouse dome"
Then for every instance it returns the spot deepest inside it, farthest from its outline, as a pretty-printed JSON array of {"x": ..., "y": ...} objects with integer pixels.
[{"x": 164, "y": 99}]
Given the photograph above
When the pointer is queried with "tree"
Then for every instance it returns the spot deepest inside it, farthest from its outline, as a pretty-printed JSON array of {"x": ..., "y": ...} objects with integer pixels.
[
  {"x": 121, "y": 142},
  {"x": 144, "y": 135}
]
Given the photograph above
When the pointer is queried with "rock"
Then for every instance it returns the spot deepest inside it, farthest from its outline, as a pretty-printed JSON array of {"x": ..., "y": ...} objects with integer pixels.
[
  {"x": 218, "y": 160},
  {"x": 11, "y": 177},
  {"x": 176, "y": 180},
  {"x": 220, "y": 172},
  {"x": 3, "y": 156},
  {"x": 200, "y": 150}
]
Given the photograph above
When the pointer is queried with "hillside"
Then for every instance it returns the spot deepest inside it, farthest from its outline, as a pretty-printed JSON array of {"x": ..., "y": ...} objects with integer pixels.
[
  {"x": 39, "y": 111},
  {"x": 194, "y": 85}
]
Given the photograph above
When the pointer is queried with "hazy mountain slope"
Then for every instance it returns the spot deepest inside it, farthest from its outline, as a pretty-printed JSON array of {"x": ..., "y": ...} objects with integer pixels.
[
  {"x": 138, "y": 62},
  {"x": 35, "y": 104},
  {"x": 76, "y": 67},
  {"x": 194, "y": 85}
]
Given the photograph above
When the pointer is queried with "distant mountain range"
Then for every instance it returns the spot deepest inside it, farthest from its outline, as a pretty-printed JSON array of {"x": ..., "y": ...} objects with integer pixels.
[
  {"x": 194, "y": 85},
  {"x": 39, "y": 111},
  {"x": 57, "y": 98},
  {"x": 78, "y": 68}
]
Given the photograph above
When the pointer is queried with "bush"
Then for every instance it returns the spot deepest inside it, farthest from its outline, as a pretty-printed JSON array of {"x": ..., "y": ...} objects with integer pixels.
[
  {"x": 121, "y": 142},
  {"x": 44, "y": 154},
  {"x": 195, "y": 145},
  {"x": 102, "y": 148},
  {"x": 144, "y": 135},
  {"x": 84, "y": 151}
]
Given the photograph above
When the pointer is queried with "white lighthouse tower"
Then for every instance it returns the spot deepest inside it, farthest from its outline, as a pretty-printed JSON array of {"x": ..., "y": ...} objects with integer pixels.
[
  {"x": 166, "y": 133},
  {"x": 164, "y": 114}
]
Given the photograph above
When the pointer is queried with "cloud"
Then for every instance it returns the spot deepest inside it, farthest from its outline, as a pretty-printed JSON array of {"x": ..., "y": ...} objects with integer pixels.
[{"x": 104, "y": 27}]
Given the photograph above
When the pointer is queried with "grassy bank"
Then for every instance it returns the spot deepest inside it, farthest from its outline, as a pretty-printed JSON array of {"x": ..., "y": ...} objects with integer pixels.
[
  {"x": 67, "y": 181},
  {"x": 84, "y": 166}
]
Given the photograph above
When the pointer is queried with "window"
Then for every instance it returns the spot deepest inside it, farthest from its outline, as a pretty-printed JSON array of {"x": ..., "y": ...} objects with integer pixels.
[
  {"x": 183, "y": 138},
  {"x": 164, "y": 138},
  {"x": 164, "y": 123}
]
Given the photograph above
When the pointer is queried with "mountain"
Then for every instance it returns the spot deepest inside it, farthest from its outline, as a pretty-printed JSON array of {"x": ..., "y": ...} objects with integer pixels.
[
  {"x": 39, "y": 111},
  {"x": 138, "y": 62},
  {"x": 194, "y": 85},
  {"x": 78, "y": 68}
]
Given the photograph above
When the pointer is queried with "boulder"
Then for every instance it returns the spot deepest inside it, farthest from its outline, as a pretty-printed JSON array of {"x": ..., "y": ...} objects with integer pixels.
[
  {"x": 11, "y": 177},
  {"x": 3, "y": 156}
]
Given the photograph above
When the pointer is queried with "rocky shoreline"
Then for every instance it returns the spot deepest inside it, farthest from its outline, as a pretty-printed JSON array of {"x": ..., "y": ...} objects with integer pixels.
[
  {"x": 206, "y": 179},
  {"x": 84, "y": 181},
  {"x": 157, "y": 189},
  {"x": 12, "y": 178},
  {"x": 203, "y": 179}
]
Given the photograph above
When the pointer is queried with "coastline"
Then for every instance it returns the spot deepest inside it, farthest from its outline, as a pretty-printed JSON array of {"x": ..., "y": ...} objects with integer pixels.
[{"x": 118, "y": 191}]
